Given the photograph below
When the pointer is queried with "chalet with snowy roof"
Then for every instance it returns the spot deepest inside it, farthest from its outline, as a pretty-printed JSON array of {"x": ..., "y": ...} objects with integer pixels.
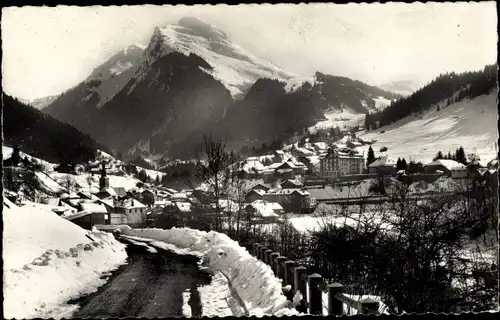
[
  {"x": 264, "y": 211},
  {"x": 63, "y": 209},
  {"x": 98, "y": 212},
  {"x": 83, "y": 219},
  {"x": 251, "y": 168},
  {"x": 443, "y": 166},
  {"x": 260, "y": 186},
  {"x": 128, "y": 211},
  {"x": 341, "y": 162},
  {"x": 300, "y": 151},
  {"x": 291, "y": 184},
  {"x": 383, "y": 166},
  {"x": 254, "y": 194},
  {"x": 290, "y": 168},
  {"x": 292, "y": 200}
]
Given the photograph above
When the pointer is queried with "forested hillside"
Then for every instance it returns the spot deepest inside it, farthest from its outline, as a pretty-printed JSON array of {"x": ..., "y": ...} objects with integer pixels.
[
  {"x": 470, "y": 85},
  {"x": 44, "y": 137}
]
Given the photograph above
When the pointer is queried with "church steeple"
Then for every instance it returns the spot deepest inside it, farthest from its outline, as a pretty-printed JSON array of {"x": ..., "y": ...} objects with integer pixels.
[{"x": 103, "y": 180}]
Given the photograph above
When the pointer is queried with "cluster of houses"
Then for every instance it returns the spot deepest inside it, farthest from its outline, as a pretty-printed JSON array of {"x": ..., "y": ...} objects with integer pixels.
[
  {"x": 294, "y": 180},
  {"x": 108, "y": 206}
]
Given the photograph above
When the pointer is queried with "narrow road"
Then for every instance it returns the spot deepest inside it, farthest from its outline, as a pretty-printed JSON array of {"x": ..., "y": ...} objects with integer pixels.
[{"x": 150, "y": 286}]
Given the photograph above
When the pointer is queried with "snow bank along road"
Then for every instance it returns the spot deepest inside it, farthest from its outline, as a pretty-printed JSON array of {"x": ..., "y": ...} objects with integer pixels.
[{"x": 150, "y": 285}]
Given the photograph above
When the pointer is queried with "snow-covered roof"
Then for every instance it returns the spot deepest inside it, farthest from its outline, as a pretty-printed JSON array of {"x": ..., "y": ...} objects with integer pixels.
[
  {"x": 314, "y": 160},
  {"x": 266, "y": 208},
  {"x": 180, "y": 195},
  {"x": 93, "y": 207},
  {"x": 286, "y": 191},
  {"x": 382, "y": 162},
  {"x": 111, "y": 191},
  {"x": 108, "y": 202},
  {"x": 183, "y": 206},
  {"x": 258, "y": 191},
  {"x": 77, "y": 215},
  {"x": 250, "y": 165},
  {"x": 130, "y": 203},
  {"x": 448, "y": 164},
  {"x": 294, "y": 182}
]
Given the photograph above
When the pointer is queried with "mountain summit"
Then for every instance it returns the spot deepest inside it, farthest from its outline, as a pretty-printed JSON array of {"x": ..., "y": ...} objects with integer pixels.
[{"x": 235, "y": 67}]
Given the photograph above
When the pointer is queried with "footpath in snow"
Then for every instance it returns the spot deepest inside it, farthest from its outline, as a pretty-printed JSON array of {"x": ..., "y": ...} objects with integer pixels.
[
  {"x": 49, "y": 260},
  {"x": 250, "y": 280}
]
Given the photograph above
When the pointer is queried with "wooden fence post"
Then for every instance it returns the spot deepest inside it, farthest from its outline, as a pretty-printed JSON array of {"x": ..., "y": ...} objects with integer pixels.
[
  {"x": 272, "y": 260},
  {"x": 267, "y": 254},
  {"x": 369, "y": 306},
  {"x": 335, "y": 306},
  {"x": 289, "y": 273},
  {"x": 300, "y": 282},
  {"x": 315, "y": 294},
  {"x": 256, "y": 250},
  {"x": 262, "y": 250},
  {"x": 279, "y": 267}
]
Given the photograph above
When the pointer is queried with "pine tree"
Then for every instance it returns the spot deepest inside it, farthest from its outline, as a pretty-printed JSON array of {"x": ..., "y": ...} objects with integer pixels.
[
  {"x": 404, "y": 165},
  {"x": 157, "y": 180},
  {"x": 460, "y": 156},
  {"x": 16, "y": 157},
  {"x": 398, "y": 164},
  {"x": 438, "y": 156},
  {"x": 142, "y": 175},
  {"x": 370, "y": 157}
]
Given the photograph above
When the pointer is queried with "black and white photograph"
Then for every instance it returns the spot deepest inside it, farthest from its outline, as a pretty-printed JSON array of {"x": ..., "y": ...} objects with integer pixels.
[{"x": 249, "y": 160}]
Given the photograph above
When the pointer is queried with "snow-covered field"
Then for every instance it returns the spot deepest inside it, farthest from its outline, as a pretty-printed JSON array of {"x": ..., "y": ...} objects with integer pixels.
[
  {"x": 82, "y": 180},
  {"x": 253, "y": 280},
  {"x": 49, "y": 260},
  {"x": 150, "y": 173},
  {"x": 468, "y": 123},
  {"x": 342, "y": 119},
  {"x": 7, "y": 152}
]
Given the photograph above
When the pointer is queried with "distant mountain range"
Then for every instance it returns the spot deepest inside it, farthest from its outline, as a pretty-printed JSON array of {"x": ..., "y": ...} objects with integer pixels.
[
  {"x": 192, "y": 79},
  {"x": 401, "y": 87},
  {"x": 39, "y": 103}
]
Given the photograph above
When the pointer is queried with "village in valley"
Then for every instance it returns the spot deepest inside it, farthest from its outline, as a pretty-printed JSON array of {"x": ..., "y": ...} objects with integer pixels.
[{"x": 295, "y": 181}]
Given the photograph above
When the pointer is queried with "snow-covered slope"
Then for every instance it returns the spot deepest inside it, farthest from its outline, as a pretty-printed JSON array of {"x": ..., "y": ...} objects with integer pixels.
[
  {"x": 49, "y": 260},
  {"x": 7, "y": 152},
  {"x": 343, "y": 119},
  {"x": 471, "y": 124},
  {"x": 116, "y": 72},
  {"x": 235, "y": 67},
  {"x": 402, "y": 87},
  {"x": 39, "y": 103}
]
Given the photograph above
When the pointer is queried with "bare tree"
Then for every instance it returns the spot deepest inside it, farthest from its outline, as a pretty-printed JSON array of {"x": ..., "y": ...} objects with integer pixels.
[
  {"x": 212, "y": 163},
  {"x": 414, "y": 250}
]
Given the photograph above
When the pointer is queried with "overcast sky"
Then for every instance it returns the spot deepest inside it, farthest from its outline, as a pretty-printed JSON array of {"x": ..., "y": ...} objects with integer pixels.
[{"x": 48, "y": 50}]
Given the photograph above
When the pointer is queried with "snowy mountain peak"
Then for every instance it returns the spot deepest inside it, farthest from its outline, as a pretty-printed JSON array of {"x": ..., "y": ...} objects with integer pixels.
[
  {"x": 116, "y": 72},
  {"x": 134, "y": 49},
  {"x": 232, "y": 65}
]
